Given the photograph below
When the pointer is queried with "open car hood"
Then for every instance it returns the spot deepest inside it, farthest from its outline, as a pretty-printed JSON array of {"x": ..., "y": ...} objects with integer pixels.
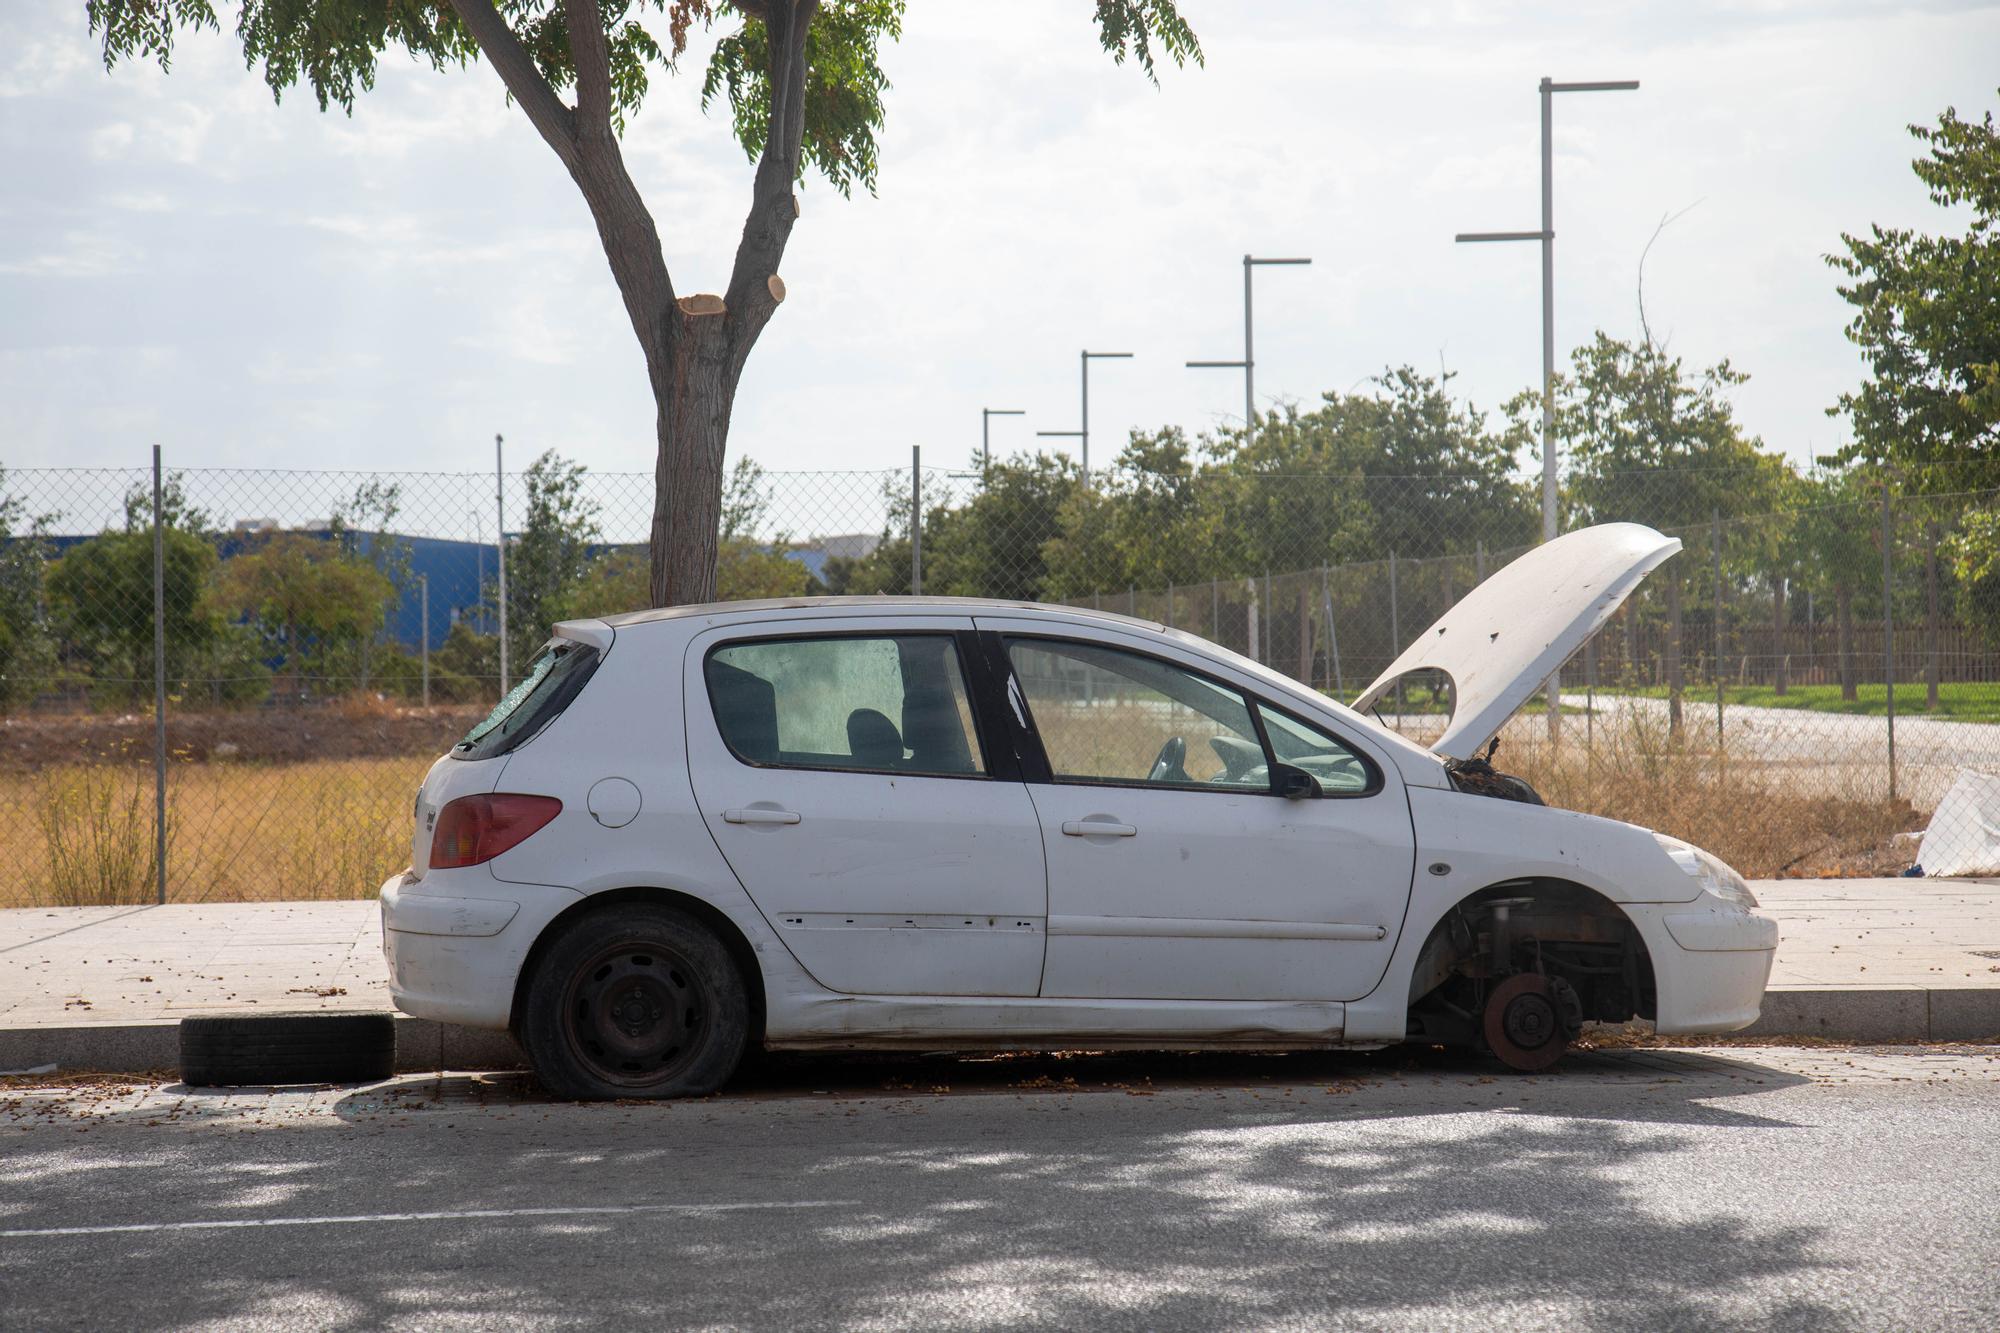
[{"x": 1504, "y": 638}]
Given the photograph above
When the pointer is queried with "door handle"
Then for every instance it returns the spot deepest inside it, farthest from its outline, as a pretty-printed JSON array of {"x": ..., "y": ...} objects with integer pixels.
[
  {"x": 760, "y": 815},
  {"x": 1097, "y": 828}
]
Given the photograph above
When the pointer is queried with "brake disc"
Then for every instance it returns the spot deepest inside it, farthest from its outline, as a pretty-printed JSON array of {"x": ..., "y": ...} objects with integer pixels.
[{"x": 1523, "y": 1022}]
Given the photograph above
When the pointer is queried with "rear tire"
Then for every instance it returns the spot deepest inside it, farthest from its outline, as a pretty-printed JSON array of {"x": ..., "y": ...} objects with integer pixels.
[
  {"x": 635, "y": 1001},
  {"x": 243, "y": 1050}
]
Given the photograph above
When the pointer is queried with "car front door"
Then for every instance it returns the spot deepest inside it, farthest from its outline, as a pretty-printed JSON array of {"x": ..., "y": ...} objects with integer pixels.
[
  {"x": 842, "y": 770},
  {"x": 1176, "y": 871}
]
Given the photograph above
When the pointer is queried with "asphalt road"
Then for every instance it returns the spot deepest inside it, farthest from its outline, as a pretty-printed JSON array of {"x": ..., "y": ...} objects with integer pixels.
[{"x": 1753, "y": 1187}]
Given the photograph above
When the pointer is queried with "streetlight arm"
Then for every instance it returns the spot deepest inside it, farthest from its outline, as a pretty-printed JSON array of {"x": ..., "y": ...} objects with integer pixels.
[
  {"x": 1503, "y": 236},
  {"x": 1598, "y": 86}
]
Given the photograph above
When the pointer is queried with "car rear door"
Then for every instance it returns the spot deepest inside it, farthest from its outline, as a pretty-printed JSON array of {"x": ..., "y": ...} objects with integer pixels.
[
  {"x": 842, "y": 768},
  {"x": 1175, "y": 871}
]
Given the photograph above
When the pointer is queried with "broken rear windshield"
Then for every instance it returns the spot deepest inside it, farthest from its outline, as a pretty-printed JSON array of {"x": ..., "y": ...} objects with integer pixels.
[{"x": 553, "y": 680}]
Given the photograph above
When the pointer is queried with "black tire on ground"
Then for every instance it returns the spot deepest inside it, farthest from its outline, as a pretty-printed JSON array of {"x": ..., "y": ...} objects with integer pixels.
[
  {"x": 253, "y": 1050},
  {"x": 635, "y": 1001}
]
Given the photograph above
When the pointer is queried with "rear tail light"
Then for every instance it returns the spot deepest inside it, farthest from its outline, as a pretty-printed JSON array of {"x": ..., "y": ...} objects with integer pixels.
[{"x": 475, "y": 829}]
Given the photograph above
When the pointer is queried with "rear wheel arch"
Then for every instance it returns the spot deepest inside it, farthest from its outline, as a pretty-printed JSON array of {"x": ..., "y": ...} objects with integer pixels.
[{"x": 730, "y": 935}]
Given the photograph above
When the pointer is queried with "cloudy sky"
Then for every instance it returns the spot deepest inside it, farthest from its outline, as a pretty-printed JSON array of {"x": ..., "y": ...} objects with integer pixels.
[{"x": 183, "y": 262}]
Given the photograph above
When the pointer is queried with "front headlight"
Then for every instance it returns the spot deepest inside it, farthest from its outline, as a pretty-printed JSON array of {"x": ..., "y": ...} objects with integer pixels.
[{"x": 1713, "y": 873}]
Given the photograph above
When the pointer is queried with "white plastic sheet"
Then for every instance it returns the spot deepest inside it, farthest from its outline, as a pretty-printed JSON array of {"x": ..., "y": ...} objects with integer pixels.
[{"x": 1964, "y": 833}]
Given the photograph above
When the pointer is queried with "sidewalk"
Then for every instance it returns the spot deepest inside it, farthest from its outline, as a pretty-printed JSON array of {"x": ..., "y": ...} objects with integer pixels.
[{"x": 103, "y": 987}]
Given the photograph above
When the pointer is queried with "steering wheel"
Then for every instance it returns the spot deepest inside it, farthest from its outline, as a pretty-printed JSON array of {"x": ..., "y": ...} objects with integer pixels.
[
  {"x": 1171, "y": 764},
  {"x": 1238, "y": 757}
]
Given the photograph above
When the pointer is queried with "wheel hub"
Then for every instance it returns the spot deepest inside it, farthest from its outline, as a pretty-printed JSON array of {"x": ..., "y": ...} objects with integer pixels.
[
  {"x": 637, "y": 1011},
  {"x": 1530, "y": 1020}
]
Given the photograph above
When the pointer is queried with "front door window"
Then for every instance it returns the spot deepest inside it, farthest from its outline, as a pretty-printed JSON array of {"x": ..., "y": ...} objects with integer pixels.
[{"x": 1116, "y": 717}]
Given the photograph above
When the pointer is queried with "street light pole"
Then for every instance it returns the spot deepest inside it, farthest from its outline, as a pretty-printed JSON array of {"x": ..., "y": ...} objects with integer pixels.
[
  {"x": 1547, "y": 236},
  {"x": 1248, "y": 365},
  {"x": 986, "y": 415},
  {"x": 1084, "y": 434},
  {"x": 500, "y": 548}
]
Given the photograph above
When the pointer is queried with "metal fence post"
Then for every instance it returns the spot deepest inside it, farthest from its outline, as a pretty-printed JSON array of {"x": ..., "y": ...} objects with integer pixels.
[
  {"x": 500, "y": 550},
  {"x": 1215, "y": 610},
  {"x": 1250, "y": 620},
  {"x": 1170, "y": 603},
  {"x": 1395, "y": 636},
  {"x": 159, "y": 690},
  {"x": 916, "y": 520},
  {"x": 424, "y": 614},
  {"x": 1715, "y": 612},
  {"x": 1332, "y": 636},
  {"x": 1270, "y": 614},
  {"x": 1889, "y": 634}
]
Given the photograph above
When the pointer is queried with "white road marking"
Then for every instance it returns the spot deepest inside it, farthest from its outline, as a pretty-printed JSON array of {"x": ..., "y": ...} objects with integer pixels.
[{"x": 455, "y": 1215}]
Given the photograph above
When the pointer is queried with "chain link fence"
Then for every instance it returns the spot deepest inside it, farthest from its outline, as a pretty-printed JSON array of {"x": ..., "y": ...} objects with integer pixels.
[{"x": 1794, "y": 690}]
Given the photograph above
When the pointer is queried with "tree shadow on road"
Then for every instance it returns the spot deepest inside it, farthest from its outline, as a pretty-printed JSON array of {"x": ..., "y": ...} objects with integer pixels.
[{"x": 1319, "y": 1190}]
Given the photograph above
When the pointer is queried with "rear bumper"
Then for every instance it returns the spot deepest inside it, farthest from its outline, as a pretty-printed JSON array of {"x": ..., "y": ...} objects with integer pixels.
[{"x": 455, "y": 943}]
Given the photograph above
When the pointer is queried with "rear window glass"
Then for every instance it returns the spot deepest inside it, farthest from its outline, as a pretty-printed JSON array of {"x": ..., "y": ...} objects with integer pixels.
[
  {"x": 894, "y": 703},
  {"x": 553, "y": 679}
]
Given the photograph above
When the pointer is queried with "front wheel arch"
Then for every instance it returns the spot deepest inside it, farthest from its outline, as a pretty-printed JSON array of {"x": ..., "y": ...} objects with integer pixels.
[{"x": 1565, "y": 929}]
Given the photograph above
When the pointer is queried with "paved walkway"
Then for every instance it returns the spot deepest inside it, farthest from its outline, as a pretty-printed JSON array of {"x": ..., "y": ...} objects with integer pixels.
[{"x": 1862, "y": 958}]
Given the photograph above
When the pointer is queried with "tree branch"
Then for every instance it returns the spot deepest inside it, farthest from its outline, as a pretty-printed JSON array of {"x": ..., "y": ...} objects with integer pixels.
[
  {"x": 587, "y": 48},
  {"x": 589, "y": 149},
  {"x": 516, "y": 68},
  {"x": 752, "y": 299}
]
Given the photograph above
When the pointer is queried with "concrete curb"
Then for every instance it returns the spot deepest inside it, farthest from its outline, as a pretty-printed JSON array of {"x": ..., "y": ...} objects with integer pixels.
[
  {"x": 1886, "y": 1013},
  {"x": 1880, "y": 1014},
  {"x": 133, "y": 1048}
]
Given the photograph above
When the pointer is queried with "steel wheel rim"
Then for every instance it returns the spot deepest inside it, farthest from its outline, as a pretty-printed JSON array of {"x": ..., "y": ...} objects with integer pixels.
[{"x": 636, "y": 1013}]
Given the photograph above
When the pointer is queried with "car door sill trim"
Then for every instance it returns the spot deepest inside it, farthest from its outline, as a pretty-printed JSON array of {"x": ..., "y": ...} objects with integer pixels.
[{"x": 1168, "y": 927}]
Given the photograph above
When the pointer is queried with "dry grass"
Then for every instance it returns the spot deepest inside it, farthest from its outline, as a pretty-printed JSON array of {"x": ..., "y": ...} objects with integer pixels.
[
  {"x": 1757, "y": 816},
  {"x": 82, "y": 834}
]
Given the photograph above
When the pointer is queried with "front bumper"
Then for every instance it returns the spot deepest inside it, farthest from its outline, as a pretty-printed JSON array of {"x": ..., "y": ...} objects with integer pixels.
[
  {"x": 455, "y": 942},
  {"x": 1711, "y": 962}
]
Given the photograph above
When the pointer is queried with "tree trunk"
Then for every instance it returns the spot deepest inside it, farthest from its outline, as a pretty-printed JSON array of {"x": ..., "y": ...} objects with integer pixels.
[
  {"x": 1778, "y": 682},
  {"x": 694, "y": 400},
  {"x": 1931, "y": 627},
  {"x": 1674, "y": 682},
  {"x": 1843, "y": 647}
]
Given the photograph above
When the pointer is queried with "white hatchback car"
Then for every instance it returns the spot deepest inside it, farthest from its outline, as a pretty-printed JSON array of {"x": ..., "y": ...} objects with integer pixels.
[{"x": 869, "y": 823}]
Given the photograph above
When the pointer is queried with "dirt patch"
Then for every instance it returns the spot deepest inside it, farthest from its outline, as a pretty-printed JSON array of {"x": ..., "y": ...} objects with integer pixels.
[{"x": 343, "y": 730}]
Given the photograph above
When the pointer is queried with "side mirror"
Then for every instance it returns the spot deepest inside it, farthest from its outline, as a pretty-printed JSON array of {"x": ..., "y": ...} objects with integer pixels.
[{"x": 1295, "y": 784}]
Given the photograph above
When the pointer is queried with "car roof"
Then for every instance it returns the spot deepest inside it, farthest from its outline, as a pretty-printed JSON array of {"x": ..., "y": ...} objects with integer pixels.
[{"x": 874, "y": 605}]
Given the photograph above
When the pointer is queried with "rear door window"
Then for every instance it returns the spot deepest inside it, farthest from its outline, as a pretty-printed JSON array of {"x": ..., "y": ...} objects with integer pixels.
[
  {"x": 553, "y": 680},
  {"x": 873, "y": 703}
]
